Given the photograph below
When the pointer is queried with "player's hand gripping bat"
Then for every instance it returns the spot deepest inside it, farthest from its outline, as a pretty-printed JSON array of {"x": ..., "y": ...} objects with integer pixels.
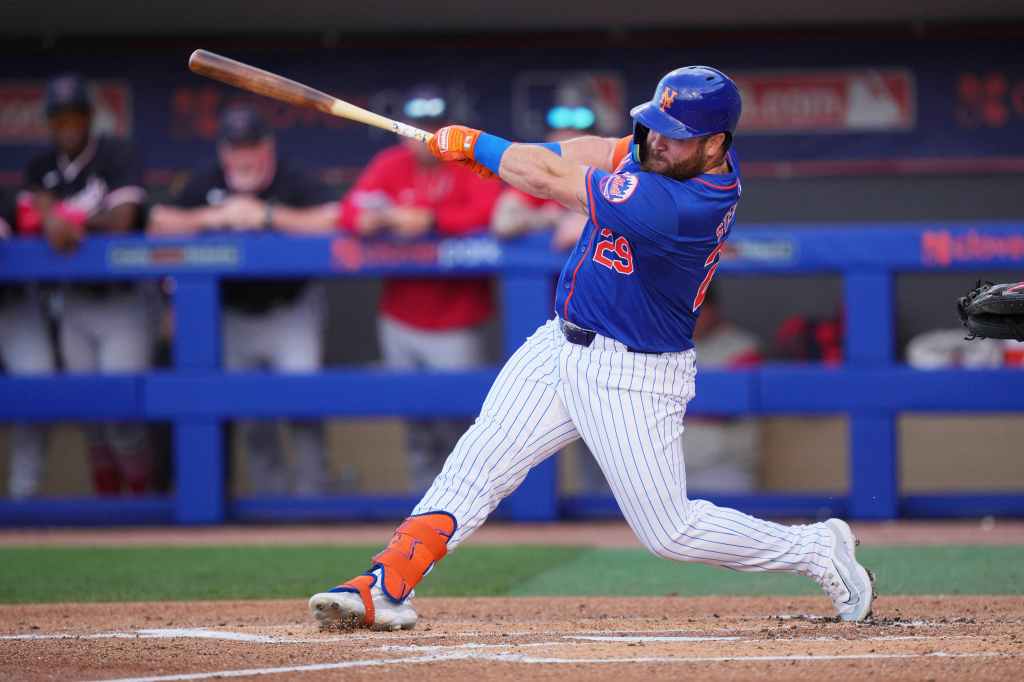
[{"x": 278, "y": 87}]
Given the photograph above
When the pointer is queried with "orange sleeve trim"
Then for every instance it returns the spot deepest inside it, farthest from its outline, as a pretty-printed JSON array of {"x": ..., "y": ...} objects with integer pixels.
[{"x": 622, "y": 148}]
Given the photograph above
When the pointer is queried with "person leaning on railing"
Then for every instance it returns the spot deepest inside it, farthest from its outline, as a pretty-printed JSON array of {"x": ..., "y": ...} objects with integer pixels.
[
  {"x": 517, "y": 213},
  {"x": 25, "y": 349},
  {"x": 425, "y": 323},
  {"x": 87, "y": 184},
  {"x": 276, "y": 324}
]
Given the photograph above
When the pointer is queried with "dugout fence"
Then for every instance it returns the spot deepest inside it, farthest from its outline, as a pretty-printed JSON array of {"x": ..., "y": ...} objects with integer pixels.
[{"x": 196, "y": 396}]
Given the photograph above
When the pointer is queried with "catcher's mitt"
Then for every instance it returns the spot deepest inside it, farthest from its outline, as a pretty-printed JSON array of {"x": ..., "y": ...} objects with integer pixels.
[{"x": 994, "y": 311}]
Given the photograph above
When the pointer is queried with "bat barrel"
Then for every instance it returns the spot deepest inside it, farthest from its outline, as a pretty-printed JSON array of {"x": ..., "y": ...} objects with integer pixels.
[
  {"x": 246, "y": 77},
  {"x": 272, "y": 85}
]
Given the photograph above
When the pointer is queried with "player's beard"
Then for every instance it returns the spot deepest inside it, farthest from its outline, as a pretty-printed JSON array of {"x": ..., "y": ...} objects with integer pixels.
[{"x": 680, "y": 170}]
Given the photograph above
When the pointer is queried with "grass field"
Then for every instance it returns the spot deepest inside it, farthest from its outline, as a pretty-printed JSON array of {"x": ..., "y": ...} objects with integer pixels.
[{"x": 83, "y": 574}]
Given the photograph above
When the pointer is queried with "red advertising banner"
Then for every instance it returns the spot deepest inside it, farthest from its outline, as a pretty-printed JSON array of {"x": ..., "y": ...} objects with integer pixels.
[
  {"x": 943, "y": 247},
  {"x": 834, "y": 101},
  {"x": 23, "y": 121}
]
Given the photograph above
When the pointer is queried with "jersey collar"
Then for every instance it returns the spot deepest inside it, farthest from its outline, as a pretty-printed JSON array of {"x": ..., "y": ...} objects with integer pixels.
[{"x": 71, "y": 168}]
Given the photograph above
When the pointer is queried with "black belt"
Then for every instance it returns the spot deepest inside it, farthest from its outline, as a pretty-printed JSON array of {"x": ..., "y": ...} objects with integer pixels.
[{"x": 584, "y": 337}]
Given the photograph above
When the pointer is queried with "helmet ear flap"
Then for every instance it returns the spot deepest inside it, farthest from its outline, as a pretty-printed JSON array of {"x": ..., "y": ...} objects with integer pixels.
[{"x": 639, "y": 148}]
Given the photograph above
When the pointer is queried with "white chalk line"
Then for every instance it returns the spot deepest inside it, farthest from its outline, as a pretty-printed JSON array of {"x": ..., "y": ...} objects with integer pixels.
[
  {"x": 368, "y": 663},
  {"x": 99, "y": 635},
  {"x": 654, "y": 638},
  {"x": 533, "y": 660},
  {"x": 207, "y": 633},
  {"x": 226, "y": 635},
  {"x": 455, "y": 647},
  {"x": 197, "y": 633},
  {"x": 168, "y": 633}
]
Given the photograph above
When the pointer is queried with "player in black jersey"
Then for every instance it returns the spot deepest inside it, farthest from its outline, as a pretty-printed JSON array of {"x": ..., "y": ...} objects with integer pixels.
[
  {"x": 25, "y": 349},
  {"x": 87, "y": 184},
  {"x": 276, "y": 324}
]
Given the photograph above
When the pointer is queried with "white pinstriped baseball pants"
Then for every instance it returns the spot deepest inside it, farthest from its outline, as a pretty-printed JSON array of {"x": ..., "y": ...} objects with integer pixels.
[{"x": 628, "y": 408}]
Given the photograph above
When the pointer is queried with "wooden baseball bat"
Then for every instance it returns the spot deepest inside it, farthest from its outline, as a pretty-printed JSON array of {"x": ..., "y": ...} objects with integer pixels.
[{"x": 269, "y": 84}]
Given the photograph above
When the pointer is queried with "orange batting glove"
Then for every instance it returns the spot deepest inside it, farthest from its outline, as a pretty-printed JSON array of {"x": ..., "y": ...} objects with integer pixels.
[
  {"x": 454, "y": 143},
  {"x": 478, "y": 168}
]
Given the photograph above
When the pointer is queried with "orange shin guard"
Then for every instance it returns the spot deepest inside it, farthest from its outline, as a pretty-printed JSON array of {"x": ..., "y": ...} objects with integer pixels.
[{"x": 419, "y": 543}]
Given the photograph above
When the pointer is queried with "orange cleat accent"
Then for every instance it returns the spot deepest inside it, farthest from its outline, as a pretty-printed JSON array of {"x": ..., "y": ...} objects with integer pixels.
[
  {"x": 362, "y": 585},
  {"x": 419, "y": 543}
]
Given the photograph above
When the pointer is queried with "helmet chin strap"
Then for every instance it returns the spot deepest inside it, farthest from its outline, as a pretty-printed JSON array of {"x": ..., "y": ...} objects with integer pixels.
[{"x": 639, "y": 148}]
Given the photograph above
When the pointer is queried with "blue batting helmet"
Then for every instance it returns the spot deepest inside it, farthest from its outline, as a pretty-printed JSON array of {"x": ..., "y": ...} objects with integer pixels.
[{"x": 689, "y": 102}]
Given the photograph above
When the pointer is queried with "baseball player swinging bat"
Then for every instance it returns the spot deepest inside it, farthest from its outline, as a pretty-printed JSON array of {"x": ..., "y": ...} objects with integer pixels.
[
  {"x": 271, "y": 85},
  {"x": 616, "y": 367}
]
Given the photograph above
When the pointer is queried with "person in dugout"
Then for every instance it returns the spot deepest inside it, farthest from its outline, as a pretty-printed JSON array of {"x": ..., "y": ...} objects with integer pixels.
[
  {"x": 425, "y": 323},
  {"x": 722, "y": 452},
  {"x": 25, "y": 349},
  {"x": 517, "y": 213},
  {"x": 88, "y": 184},
  {"x": 276, "y": 324}
]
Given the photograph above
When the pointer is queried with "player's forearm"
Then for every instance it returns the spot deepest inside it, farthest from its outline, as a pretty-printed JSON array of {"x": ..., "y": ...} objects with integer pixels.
[
  {"x": 314, "y": 220},
  {"x": 117, "y": 220},
  {"x": 546, "y": 175},
  {"x": 590, "y": 151},
  {"x": 535, "y": 169},
  {"x": 170, "y": 221}
]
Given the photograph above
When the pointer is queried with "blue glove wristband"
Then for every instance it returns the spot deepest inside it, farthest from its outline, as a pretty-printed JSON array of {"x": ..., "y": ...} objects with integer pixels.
[{"x": 490, "y": 148}]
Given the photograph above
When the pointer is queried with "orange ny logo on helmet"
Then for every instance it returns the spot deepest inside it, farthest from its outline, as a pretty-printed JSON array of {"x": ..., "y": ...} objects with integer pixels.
[{"x": 668, "y": 95}]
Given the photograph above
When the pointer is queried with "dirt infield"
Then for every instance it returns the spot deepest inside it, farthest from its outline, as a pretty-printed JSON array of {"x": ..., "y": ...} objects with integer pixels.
[
  {"x": 717, "y": 638},
  {"x": 976, "y": 638}
]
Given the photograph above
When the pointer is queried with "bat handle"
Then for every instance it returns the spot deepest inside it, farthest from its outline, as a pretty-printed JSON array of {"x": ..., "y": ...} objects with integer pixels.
[{"x": 406, "y": 130}]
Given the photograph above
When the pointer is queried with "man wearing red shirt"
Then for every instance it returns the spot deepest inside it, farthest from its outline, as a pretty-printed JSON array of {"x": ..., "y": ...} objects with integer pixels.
[
  {"x": 517, "y": 213},
  {"x": 425, "y": 323}
]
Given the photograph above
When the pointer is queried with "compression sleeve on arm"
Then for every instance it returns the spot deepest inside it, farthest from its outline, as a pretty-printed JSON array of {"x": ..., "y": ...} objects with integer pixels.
[{"x": 490, "y": 148}]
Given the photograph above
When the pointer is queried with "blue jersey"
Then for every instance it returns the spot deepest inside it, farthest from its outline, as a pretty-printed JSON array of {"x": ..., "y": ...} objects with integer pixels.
[{"x": 651, "y": 245}]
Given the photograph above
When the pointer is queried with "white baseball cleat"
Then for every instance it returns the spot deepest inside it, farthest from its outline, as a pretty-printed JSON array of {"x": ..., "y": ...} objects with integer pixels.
[
  {"x": 360, "y": 603},
  {"x": 845, "y": 581}
]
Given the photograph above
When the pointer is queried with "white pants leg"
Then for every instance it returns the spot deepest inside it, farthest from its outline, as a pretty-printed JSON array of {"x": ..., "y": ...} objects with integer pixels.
[
  {"x": 399, "y": 352},
  {"x": 287, "y": 339},
  {"x": 26, "y": 350},
  {"x": 629, "y": 409},
  {"x": 404, "y": 347},
  {"x": 522, "y": 423},
  {"x": 297, "y": 347},
  {"x": 245, "y": 347},
  {"x": 112, "y": 335}
]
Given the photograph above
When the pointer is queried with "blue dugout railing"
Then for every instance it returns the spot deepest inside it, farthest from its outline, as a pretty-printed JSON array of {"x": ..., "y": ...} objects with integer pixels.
[{"x": 196, "y": 396}]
